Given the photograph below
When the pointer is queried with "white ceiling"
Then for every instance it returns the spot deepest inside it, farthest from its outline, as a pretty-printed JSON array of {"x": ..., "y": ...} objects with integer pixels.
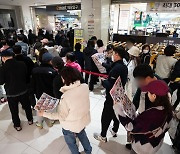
[{"x": 36, "y": 2}]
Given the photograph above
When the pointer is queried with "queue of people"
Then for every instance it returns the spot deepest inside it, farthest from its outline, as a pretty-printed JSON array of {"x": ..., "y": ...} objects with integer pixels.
[{"x": 58, "y": 72}]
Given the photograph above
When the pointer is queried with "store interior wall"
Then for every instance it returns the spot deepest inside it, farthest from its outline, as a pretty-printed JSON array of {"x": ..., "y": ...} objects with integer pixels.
[{"x": 15, "y": 14}]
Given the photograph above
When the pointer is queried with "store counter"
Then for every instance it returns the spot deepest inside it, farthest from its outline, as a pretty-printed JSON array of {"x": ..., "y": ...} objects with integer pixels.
[{"x": 147, "y": 39}]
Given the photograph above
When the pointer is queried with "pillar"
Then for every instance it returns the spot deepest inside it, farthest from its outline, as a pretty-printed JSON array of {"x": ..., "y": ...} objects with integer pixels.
[
  {"x": 27, "y": 18},
  {"x": 95, "y": 18}
]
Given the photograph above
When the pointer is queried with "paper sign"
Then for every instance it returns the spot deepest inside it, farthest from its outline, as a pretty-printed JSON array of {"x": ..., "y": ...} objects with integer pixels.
[{"x": 46, "y": 103}]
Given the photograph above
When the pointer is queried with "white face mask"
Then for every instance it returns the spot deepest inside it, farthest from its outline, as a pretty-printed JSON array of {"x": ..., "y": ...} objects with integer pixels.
[{"x": 145, "y": 51}]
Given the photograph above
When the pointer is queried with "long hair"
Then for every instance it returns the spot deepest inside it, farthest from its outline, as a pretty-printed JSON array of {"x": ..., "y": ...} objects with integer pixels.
[{"x": 165, "y": 102}]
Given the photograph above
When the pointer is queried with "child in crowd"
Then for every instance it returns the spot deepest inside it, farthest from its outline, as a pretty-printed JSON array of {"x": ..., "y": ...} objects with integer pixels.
[
  {"x": 73, "y": 111},
  {"x": 147, "y": 137},
  {"x": 70, "y": 61}
]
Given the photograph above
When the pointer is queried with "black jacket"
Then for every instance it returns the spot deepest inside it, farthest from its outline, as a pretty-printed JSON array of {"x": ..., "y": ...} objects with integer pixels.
[
  {"x": 89, "y": 63},
  {"x": 176, "y": 71},
  {"x": 42, "y": 80},
  {"x": 79, "y": 58},
  {"x": 145, "y": 58},
  {"x": 57, "y": 84},
  {"x": 64, "y": 51},
  {"x": 29, "y": 64},
  {"x": 14, "y": 75},
  {"x": 118, "y": 69}
]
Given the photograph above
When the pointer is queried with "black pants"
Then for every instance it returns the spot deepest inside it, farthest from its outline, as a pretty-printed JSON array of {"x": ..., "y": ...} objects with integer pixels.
[
  {"x": 107, "y": 116},
  {"x": 175, "y": 86},
  {"x": 13, "y": 103}
]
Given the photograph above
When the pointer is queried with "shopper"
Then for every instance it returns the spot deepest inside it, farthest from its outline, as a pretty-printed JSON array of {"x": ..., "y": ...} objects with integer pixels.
[
  {"x": 143, "y": 75},
  {"x": 145, "y": 56},
  {"x": 66, "y": 48},
  {"x": 20, "y": 57},
  {"x": 52, "y": 49},
  {"x": 25, "y": 40},
  {"x": 100, "y": 46},
  {"x": 14, "y": 75},
  {"x": 89, "y": 64},
  {"x": 31, "y": 38},
  {"x": 108, "y": 61},
  {"x": 94, "y": 39},
  {"x": 165, "y": 63},
  {"x": 58, "y": 65},
  {"x": 73, "y": 111},
  {"x": 30, "y": 65},
  {"x": 175, "y": 82},
  {"x": 42, "y": 82},
  {"x": 24, "y": 46},
  {"x": 70, "y": 61},
  {"x": 118, "y": 69},
  {"x": 79, "y": 55},
  {"x": 4, "y": 45},
  {"x": 147, "y": 137},
  {"x": 132, "y": 63}
]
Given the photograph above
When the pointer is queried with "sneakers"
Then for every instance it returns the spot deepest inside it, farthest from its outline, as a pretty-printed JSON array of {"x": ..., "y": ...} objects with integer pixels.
[
  {"x": 100, "y": 138},
  {"x": 112, "y": 132},
  {"x": 40, "y": 126}
]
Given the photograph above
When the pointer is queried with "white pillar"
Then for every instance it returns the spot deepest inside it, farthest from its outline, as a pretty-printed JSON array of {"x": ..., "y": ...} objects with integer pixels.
[
  {"x": 95, "y": 18},
  {"x": 26, "y": 12}
]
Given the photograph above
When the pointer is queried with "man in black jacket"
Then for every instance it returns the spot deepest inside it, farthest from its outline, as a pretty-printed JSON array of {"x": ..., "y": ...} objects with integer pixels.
[
  {"x": 14, "y": 75},
  {"x": 118, "y": 69},
  {"x": 17, "y": 49},
  {"x": 42, "y": 80}
]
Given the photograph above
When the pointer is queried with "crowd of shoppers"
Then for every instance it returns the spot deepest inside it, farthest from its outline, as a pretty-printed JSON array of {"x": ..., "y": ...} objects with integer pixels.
[{"x": 58, "y": 72}]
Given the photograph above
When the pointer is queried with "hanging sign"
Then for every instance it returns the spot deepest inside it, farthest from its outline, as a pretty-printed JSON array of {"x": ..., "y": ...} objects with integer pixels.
[
  {"x": 63, "y": 7},
  {"x": 163, "y": 7}
]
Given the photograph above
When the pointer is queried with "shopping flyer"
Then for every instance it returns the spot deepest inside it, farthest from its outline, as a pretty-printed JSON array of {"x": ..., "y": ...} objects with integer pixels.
[
  {"x": 98, "y": 59},
  {"x": 119, "y": 97},
  {"x": 46, "y": 103}
]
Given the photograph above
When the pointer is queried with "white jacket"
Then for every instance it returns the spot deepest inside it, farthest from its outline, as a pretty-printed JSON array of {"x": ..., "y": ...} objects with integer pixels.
[
  {"x": 73, "y": 111},
  {"x": 164, "y": 65}
]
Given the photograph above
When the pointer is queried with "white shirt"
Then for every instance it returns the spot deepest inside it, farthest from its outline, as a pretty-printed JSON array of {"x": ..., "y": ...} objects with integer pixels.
[{"x": 164, "y": 65}]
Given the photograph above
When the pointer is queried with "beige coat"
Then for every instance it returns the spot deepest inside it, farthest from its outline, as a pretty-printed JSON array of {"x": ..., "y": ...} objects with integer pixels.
[{"x": 73, "y": 111}]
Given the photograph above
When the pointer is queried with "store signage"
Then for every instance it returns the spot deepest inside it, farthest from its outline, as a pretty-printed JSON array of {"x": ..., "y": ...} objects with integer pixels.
[
  {"x": 163, "y": 7},
  {"x": 64, "y": 7},
  {"x": 163, "y": 41}
]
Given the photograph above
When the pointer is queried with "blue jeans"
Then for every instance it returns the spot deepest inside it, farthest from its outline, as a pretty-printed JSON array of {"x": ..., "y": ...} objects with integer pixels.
[{"x": 70, "y": 139}]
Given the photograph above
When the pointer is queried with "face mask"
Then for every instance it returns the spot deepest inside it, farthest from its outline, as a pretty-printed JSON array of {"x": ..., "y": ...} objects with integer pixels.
[{"x": 145, "y": 51}]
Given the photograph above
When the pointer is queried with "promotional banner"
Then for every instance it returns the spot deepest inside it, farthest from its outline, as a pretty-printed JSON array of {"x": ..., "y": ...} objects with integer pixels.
[
  {"x": 78, "y": 37},
  {"x": 173, "y": 7}
]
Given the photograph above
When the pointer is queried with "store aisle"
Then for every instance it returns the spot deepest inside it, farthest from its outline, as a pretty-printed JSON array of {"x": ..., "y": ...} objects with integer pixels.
[{"x": 31, "y": 140}]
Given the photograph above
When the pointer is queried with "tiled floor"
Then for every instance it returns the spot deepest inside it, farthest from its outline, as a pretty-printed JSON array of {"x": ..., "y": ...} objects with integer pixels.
[{"x": 31, "y": 140}]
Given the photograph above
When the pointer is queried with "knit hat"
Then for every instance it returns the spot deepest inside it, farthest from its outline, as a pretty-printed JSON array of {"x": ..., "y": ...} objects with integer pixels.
[
  {"x": 47, "y": 57},
  {"x": 156, "y": 87},
  {"x": 134, "y": 51}
]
